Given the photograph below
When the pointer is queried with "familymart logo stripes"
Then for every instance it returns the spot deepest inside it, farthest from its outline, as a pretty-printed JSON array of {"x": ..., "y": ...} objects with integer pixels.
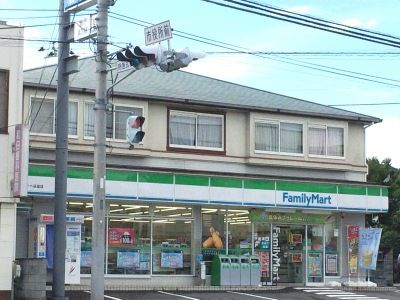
[
  {"x": 337, "y": 293},
  {"x": 185, "y": 188}
]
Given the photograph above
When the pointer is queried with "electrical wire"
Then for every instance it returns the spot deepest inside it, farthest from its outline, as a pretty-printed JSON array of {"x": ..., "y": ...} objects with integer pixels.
[
  {"x": 319, "y": 19},
  {"x": 315, "y": 67},
  {"x": 311, "y": 24}
]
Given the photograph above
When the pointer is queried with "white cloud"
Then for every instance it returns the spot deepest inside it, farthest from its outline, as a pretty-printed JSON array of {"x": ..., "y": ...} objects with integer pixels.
[
  {"x": 383, "y": 140},
  {"x": 300, "y": 9},
  {"x": 358, "y": 23},
  {"x": 229, "y": 69}
]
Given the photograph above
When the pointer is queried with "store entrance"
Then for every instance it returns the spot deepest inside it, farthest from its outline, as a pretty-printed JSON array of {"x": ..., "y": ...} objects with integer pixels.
[{"x": 288, "y": 253}]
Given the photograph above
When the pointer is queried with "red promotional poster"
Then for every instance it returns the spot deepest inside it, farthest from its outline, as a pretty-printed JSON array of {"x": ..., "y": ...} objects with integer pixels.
[
  {"x": 120, "y": 236},
  {"x": 352, "y": 231},
  {"x": 352, "y": 244}
]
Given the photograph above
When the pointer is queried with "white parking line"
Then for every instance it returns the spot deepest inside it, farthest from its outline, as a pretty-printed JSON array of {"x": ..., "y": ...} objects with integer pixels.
[
  {"x": 355, "y": 297},
  {"x": 335, "y": 293},
  {"x": 324, "y": 291},
  {"x": 105, "y": 296},
  {"x": 251, "y": 295},
  {"x": 312, "y": 288},
  {"x": 177, "y": 295}
]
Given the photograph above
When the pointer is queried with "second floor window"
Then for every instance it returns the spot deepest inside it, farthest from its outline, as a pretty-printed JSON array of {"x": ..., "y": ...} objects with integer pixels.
[
  {"x": 116, "y": 121},
  {"x": 326, "y": 141},
  {"x": 279, "y": 137},
  {"x": 43, "y": 116},
  {"x": 196, "y": 130}
]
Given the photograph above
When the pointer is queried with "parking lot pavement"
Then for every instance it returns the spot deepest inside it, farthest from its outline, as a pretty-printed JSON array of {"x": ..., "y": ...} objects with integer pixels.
[{"x": 284, "y": 294}]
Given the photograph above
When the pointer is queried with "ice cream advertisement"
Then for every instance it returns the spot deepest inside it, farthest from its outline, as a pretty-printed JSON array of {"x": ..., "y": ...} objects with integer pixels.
[{"x": 368, "y": 247}]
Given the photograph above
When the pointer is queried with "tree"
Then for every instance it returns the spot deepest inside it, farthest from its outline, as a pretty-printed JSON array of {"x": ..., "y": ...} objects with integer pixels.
[{"x": 383, "y": 173}]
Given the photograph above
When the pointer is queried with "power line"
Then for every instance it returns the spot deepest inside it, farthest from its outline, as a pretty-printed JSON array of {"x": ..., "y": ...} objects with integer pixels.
[
  {"x": 307, "y": 23},
  {"x": 319, "y": 19},
  {"x": 227, "y": 46},
  {"x": 367, "y": 104}
]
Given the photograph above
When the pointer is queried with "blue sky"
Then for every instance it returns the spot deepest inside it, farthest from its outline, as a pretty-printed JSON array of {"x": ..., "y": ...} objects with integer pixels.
[{"x": 262, "y": 34}]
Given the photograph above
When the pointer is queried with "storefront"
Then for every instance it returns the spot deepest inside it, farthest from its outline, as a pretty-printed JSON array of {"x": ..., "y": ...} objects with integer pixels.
[{"x": 163, "y": 224}]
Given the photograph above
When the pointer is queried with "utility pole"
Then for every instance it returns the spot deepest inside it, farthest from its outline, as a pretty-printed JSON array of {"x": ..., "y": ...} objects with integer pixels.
[
  {"x": 99, "y": 168},
  {"x": 61, "y": 157}
]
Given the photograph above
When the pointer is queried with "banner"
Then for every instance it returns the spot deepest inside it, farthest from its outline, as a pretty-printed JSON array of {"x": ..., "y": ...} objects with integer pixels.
[
  {"x": 369, "y": 246},
  {"x": 120, "y": 236},
  {"x": 352, "y": 243}
]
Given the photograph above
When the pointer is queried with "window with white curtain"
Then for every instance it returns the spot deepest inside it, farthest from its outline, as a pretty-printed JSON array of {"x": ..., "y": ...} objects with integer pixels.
[
  {"x": 196, "y": 130},
  {"x": 116, "y": 121},
  {"x": 279, "y": 137},
  {"x": 43, "y": 116},
  {"x": 326, "y": 141}
]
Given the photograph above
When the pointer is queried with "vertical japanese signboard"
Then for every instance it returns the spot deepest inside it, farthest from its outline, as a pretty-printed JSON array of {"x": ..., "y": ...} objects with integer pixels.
[
  {"x": 352, "y": 243},
  {"x": 73, "y": 254},
  {"x": 21, "y": 150}
]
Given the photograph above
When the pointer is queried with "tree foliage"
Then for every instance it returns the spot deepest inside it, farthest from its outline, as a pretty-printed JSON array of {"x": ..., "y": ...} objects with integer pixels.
[{"x": 383, "y": 173}]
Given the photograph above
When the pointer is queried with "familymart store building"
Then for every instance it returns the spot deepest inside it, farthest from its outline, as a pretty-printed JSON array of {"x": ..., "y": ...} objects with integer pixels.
[{"x": 161, "y": 225}]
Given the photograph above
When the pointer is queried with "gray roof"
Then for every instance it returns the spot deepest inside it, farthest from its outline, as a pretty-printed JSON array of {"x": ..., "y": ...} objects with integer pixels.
[{"x": 180, "y": 86}]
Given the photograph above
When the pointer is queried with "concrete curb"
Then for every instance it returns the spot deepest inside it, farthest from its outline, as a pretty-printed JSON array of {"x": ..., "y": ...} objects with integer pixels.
[{"x": 214, "y": 288}]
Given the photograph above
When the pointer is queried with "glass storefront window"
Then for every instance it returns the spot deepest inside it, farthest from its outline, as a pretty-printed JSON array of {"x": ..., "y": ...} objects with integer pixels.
[
  {"x": 173, "y": 211},
  {"x": 79, "y": 207},
  {"x": 213, "y": 232},
  {"x": 128, "y": 246},
  {"x": 172, "y": 246},
  {"x": 332, "y": 257},
  {"x": 86, "y": 245},
  {"x": 134, "y": 211},
  {"x": 315, "y": 262},
  {"x": 239, "y": 232}
]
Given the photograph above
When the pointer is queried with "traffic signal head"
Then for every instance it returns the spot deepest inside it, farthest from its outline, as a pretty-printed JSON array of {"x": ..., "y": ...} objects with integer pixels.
[
  {"x": 134, "y": 133},
  {"x": 180, "y": 59},
  {"x": 142, "y": 57}
]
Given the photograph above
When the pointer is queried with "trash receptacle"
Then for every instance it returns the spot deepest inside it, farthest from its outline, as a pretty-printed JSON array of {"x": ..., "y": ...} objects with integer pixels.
[
  {"x": 221, "y": 269},
  {"x": 255, "y": 271},
  {"x": 235, "y": 270},
  {"x": 244, "y": 270}
]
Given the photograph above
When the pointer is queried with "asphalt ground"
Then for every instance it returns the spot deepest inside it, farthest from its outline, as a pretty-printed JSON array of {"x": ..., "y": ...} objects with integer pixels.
[{"x": 283, "y": 294}]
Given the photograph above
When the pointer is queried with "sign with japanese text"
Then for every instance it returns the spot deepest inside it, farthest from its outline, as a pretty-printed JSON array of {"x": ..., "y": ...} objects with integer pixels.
[
  {"x": 314, "y": 264},
  {"x": 260, "y": 215},
  {"x": 331, "y": 262},
  {"x": 157, "y": 33},
  {"x": 73, "y": 254},
  {"x": 369, "y": 247},
  {"x": 120, "y": 236},
  {"x": 85, "y": 28},
  {"x": 172, "y": 259},
  {"x": 21, "y": 149}
]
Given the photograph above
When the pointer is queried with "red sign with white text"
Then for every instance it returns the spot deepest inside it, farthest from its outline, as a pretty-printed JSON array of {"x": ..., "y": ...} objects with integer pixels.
[{"x": 120, "y": 236}]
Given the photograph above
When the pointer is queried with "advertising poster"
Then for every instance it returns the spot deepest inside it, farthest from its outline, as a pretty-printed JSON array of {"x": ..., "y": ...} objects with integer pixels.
[
  {"x": 315, "y": 264},
  {"x": 120, "y": 236},
  {"x": 213, "y": 231},
  {"x": 331, "y": 261},
  {"x": 73, "y": 254},
  {"x": 265, "y": 264},
  {"x": 369, "y": 247},
  {"x": 352, "y": 242},
  {"x": 296, "y": 257},
  {"x": 128, "y": 259},
  {"x": 172, "y": 260},
  {"x": 86, "y": 259}
]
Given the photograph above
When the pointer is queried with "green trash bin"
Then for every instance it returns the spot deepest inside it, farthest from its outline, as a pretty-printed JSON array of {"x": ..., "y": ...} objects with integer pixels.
[
  {"x": 221, "y": 270},
  {"x": 255, "y": 271},
  {"x": 235, "y": 270},
  {"x": 244, "y": 270}
]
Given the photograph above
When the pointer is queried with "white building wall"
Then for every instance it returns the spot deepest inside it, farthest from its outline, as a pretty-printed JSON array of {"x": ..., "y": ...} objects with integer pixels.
[{"x": 11, "y": 60}]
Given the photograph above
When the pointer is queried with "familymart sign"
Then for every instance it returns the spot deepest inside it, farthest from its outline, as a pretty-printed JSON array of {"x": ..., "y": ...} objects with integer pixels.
[{"x": 235, "y": 191}]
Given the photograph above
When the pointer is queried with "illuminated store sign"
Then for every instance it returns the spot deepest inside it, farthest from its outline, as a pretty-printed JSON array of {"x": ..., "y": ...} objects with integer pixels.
[
  {"x": 276, "y": 250},
  {"x": 306, "y": 199}
]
